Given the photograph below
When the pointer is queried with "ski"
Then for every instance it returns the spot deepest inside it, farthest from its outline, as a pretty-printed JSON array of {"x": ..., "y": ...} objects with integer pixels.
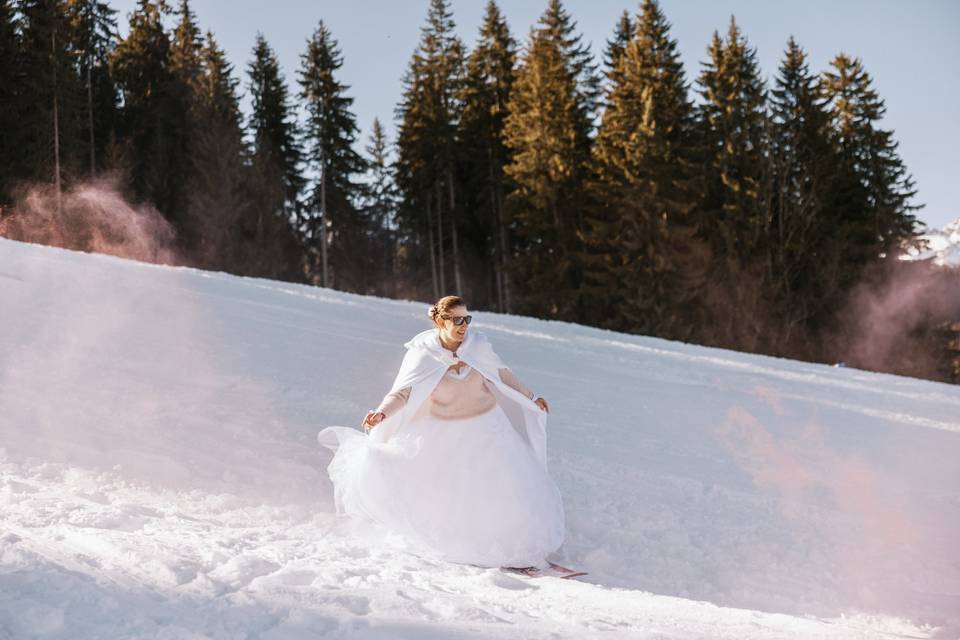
[
  {"x": 564, "y": 572},
  {"x": 553, "y": 571}
]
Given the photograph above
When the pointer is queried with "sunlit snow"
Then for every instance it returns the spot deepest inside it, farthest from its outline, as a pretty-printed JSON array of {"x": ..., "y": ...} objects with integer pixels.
[{"x": 160, "y": 477}]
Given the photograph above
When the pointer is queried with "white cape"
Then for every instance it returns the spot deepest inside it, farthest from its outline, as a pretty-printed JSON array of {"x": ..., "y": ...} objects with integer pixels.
[
  {"x": 474, "y": 490},
  {"x": 424, "y": 365}
]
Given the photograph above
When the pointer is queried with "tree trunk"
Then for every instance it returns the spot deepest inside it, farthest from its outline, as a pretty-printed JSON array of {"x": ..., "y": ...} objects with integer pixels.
[
  {"x": 259, "y": 244},
  {"x": 390, "y": 277},
  {"x": 456, "y": 259},
  {"x": 443, "y": 279},
  {"x": 56, "y": 119},
  {"x": 433, "y": 260},
  {"x": 497, "y": 257},
  {"x": 93, "y": 151},
  {"x": 323, "y": 219},
  {"x": 453, "y": 225},
  {"x": 503, "y": 250}
]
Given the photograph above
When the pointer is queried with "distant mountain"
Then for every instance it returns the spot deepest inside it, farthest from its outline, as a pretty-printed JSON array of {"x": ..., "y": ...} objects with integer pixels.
[{"x": 942, "y": 246}]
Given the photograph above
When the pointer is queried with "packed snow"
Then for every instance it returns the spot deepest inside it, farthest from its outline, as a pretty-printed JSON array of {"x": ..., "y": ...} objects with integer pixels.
[{"x": 160, "y": 475}]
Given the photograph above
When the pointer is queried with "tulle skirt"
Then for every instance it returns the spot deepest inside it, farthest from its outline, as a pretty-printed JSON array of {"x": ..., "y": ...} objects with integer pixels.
[{"x": 468, "y": 491}]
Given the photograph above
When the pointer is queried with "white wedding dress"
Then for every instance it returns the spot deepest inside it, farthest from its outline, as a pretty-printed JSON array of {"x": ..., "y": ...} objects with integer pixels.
[{"x": 468, "y": 490}]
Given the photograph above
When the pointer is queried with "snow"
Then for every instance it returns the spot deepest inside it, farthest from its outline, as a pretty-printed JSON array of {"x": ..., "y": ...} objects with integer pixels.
[
  {"x": 942, "y": 246},
  {"x": 160, "y": 478}
]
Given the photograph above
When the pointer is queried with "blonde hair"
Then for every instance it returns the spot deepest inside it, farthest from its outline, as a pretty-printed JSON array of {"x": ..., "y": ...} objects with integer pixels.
[{"x": 443, "y": 306}]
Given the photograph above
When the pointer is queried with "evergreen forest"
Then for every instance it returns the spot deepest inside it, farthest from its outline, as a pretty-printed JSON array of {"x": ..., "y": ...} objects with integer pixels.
[{"x": 528, "y": 174}]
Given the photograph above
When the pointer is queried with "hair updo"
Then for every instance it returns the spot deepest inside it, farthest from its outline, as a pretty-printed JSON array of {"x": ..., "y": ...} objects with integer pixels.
[{"x": 443, "y": 306}]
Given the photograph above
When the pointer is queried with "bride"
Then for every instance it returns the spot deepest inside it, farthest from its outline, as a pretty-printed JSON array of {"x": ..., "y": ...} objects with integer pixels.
[{"x": 455, "y": 456}]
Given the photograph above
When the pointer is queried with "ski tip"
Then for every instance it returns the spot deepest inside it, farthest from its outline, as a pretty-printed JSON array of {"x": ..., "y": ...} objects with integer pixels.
[
  {"x": 553, "y": 571},
  {"x": 566, "y": 571}
]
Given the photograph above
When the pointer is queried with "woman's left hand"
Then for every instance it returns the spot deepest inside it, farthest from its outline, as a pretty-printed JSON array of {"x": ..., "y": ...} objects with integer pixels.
[{"x": 543, "y": 404}]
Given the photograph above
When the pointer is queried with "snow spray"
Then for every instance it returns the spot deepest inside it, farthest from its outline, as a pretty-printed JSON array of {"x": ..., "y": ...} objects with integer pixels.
[
  {"x": 837, "y": 506},
  {"x": 94, "y": 217},
  {"x": 889, "y": 323}
]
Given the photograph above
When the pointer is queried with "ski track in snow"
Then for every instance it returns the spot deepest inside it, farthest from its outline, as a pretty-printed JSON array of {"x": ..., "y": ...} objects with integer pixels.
[{"x": 159, "y": 476}]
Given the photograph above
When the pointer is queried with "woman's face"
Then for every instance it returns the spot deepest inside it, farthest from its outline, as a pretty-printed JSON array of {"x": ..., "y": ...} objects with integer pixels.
[{"x": 450, "y": 331}]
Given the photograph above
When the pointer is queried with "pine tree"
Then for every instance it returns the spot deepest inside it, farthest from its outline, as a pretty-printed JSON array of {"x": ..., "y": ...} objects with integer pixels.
[
  {"x": 93, "y": 37},
  {"x": 803, "y": 234},
  {"x": 639, "y": 277},
  {"x": 10, "y": 83},
  {"x": 382, "y": 193},
  {"x": 216, "y": 196},
  {"x": 559, "y": 28},
  {"x": 185, "y": 127},
  {"x": 426, "y": 163},
  {"x": 548, "y": 132},
  {"x": 218, "y": 89},
  {"x": 734, "y": 214},
  {"x": 330, "y": 220},
  {"x": 485, "y": 95},
  {"x": 273, "y": 126},
  {"x": 413, "y": 177},
  {"x": 734, "y": 118},
  {"x": 51, "y": 97},
  {"x": 379, "y": 213},
  {"x": 151, "y": 112},
  {"x": 874, "y": 188},
  {"x": 186, "y": 51},
  {"x": 276, "y": 181},
  {"x": 622, "y": 34}
]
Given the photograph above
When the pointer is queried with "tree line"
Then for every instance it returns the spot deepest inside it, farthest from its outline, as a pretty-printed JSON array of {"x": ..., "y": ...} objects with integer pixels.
[{"x": 537, "y": 179}]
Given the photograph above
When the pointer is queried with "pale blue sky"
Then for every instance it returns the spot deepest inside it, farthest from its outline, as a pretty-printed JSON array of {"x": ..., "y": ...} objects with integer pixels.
[{"x": 910, "y": 49}]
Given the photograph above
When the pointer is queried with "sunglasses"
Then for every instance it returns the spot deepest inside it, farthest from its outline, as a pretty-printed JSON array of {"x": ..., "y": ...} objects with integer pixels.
[{"x": 459, "y": 320}]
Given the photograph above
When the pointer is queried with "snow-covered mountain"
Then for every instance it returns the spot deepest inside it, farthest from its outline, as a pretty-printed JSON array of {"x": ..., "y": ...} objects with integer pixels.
[
  {"x": 942, "y": 246},
  {"x": 160, "y": 478}
]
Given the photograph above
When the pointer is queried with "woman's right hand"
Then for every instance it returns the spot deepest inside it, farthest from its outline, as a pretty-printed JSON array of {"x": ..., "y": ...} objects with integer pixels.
[{"x": 372, "y": 419}]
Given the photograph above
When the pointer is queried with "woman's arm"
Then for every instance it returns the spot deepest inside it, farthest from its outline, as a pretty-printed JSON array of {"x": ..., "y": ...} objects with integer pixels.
[
  {"x": 393, "y": 402},
  {"x": 511, "y": 380},
  {"x": 508, "y": 378}
]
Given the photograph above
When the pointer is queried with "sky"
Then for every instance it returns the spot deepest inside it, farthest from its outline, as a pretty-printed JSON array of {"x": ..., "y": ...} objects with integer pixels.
[{"x": 910, "y": 50}]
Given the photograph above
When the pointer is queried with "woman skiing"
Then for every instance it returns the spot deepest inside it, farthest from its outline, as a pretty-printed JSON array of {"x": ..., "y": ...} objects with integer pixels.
[{"x": 455, "y": 456}]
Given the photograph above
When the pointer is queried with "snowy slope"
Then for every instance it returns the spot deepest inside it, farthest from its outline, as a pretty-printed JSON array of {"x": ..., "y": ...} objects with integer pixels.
[
  {"x": 942, "y": 246},
  {"x": 159, "y": 475}
]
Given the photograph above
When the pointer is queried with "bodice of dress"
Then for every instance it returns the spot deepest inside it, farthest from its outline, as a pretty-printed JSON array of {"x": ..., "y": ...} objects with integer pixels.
[
  {"x": 461, "y": 395},
  {"x": 468, "y": 383}
]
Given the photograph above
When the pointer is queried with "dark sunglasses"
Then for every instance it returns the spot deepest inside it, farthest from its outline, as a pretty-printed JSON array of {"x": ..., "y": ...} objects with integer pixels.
[{"x": 459, "y": 320}]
